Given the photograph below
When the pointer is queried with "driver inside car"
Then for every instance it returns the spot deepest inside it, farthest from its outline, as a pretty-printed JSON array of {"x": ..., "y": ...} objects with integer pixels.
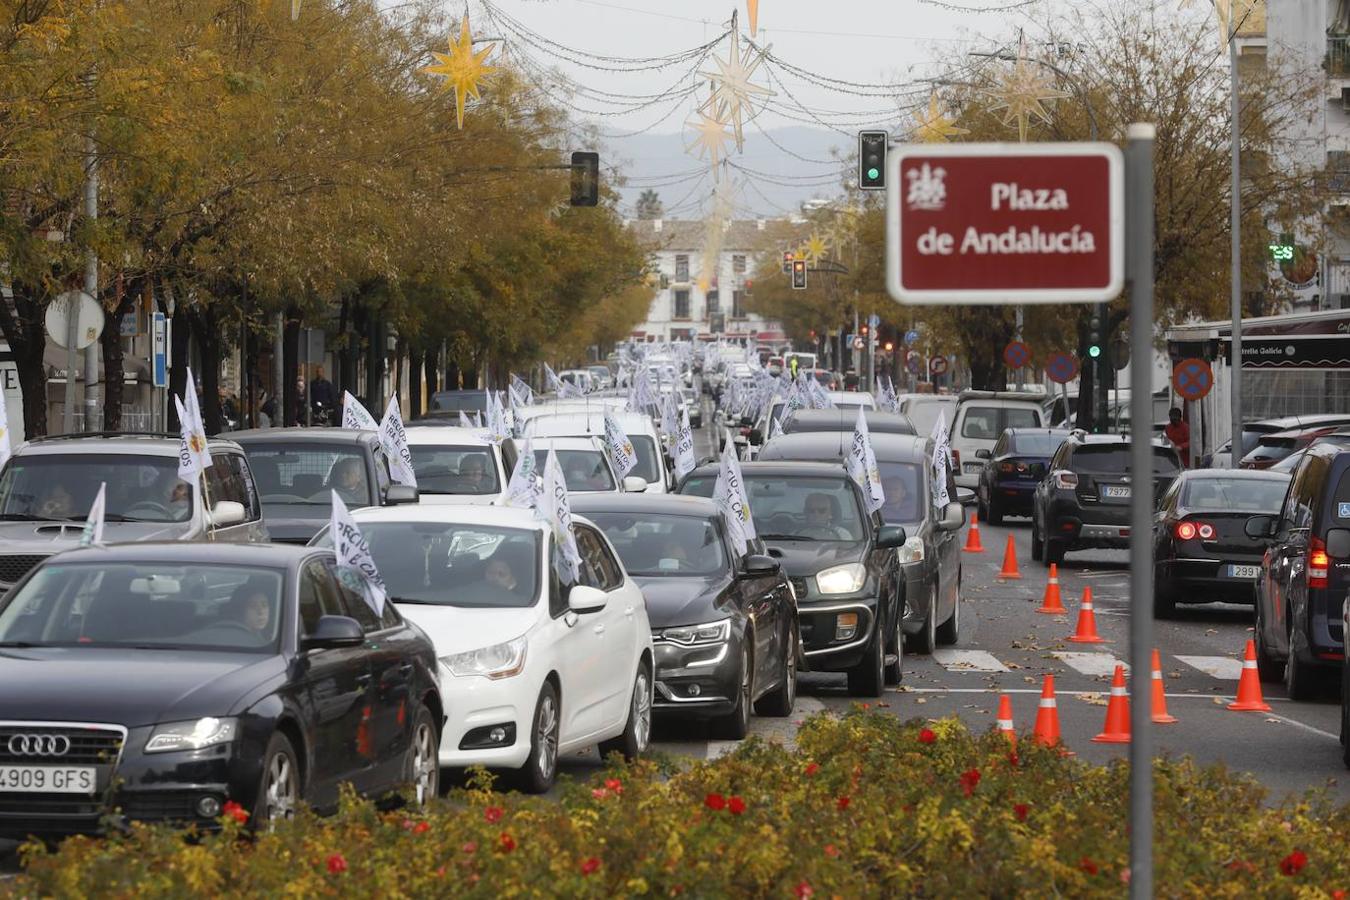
[
  {"x": 820, "y": 517},
  {"x": 349, "y": 481}
]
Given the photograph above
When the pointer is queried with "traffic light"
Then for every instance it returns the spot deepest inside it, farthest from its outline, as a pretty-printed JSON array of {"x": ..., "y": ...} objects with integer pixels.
[
  {"x": 799, "y": 274},
  {"x": 890, "y": 345},
  {"x": 1095, "y": 334},
  {"x": 863, "y": 330},
  {"x": 788, "y": 257},
  {"x": 585, "y": 178},
  {"x": 872, "y": 160}
]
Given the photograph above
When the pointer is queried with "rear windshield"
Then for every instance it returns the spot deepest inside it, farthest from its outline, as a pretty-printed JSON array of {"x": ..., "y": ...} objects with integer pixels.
[
  {"x": 1037, "y": 444},
  {"x": 1114, "y": 459},
  {"x": 988, "y": 422},
  {"x": 1234, "y": 494}
]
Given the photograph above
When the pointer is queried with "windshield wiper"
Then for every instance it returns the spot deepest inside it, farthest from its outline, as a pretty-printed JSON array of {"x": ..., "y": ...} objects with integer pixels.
[
  {"x": 20, "y": 644},
  {"x": 783, "y": 537},
  {"x": 24, "y": 517},
  {"x": 415, "y": 602}
]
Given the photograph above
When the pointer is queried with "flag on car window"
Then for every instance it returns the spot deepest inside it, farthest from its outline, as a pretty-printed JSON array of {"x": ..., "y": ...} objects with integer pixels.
[
  {"x": 394, "y": 441},
  {"x": 354, "y": 415},
  {"x": 521, "y": 393},
  {"x": 563, "y": 389},
  {"x": 194, "y": 457},
  {"x": 942, "y": 461},
  {"x": 729, "y": 494},
  {"x": 684, "y": 446},
  {"x": 621, "y": 452},
  {"x": 524, "y": 489},
  {"x": 670, "y": 418},
  {"x": 556, "y": 511},
  {"x": 93, "y": 525},
  {"x": 355, "y": 566},
  {"x": 862, "y": 465}
]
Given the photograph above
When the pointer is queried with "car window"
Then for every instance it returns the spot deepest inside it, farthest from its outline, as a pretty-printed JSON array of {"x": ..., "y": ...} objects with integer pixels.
[
  {"x": 253, "y": 508},
  {"x": 988, "y": 422},
  {"x": 557, "y": 596},
  {"x": 1340, "y": 501},
  {"x": 799, "y": 508},
  {"x": 1309, "y": 485},
  {"x": 905, "y": 491},
  {"x": 307, "y": 474},
  {"x": 1037, "y": 444},
  {"x": 51, "y": 487},
  {"x": 664, "y": 545},
  {"x": 318, "y": 595},
  {"x": 1234, "y": 494},
  {"x": 598, "y": 568},
  {"x": 1114, "y": 459},
  {"x": 583, "y": 470},
  {"x": 225, "y": 482},
  {"x": 1001, "y": 445},
  {"x": 445, "y": 469},
  {"x": 354, "y": 603}
]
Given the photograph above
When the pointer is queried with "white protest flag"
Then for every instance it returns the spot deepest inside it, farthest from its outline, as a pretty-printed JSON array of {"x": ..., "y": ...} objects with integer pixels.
[
  {"x": 861, "y": 463},
  {"x": 521, "y": 392},
  {"x": 729, "y": 494},
  {"x": 496, "y": 419},
  {"x": 775, "y": 424},
  {"x": 6, "y": 447},
  {"x": 555, "y": 510},
  {"x": 942, "y": 460},
  {"x": 93, "y": 525},
  {"x": 354, "y": 415},
  {"x": 670, "y": 419},
  {"x": 194, "y": 457},
  {"x": 684, "y": 447},
  {"x": 819, "y": 398},
  {"x": 477, "y": 419},
  {"x": 355, "y": 566},
  {"x": 464, "y": 420},
  {"x": 394, "y": 440},
  {"x": 620, "y": 448},
  {"x": 523, "y": 490},
  {"x": 564, "y": 390}
]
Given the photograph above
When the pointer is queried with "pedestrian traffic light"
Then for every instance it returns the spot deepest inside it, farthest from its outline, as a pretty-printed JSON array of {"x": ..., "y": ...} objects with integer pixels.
[
  {"x": 585, "y": 178},
  {"x": 872, "y": 160},
  {"x": 799, "y": 274},
  {"x": 788, "y": 257},
  {"x": 890, "y": 345}
]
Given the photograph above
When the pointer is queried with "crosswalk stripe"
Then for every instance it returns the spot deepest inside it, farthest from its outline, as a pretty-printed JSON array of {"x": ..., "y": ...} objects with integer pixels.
[
  {"x": 1222, "y": 667},
  {"x": 968, "y": 661},
  {"x": 1093, "y": 664}
]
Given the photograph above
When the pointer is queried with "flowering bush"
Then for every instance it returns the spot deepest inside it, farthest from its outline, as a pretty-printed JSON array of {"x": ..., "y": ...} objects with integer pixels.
[{"x": 864, "y": 806}]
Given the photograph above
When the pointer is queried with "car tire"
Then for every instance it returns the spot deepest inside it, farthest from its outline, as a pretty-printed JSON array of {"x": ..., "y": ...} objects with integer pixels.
[
  {"x": 980, "y": 509},
  {"x": 1037, "y": 547},
  {"x": 637, "y": 731},
  {"x": 868, "y": 678},
  {"x": 1054, "y": 552},
  {"x": 541, "y": 767},
  {"x": 994, "y": 511},
  {"x": 893, "y": 672},
  {"x": 735, "y": 725},
  {"x": 1345, "y": 714},
  {"x": 279, "y": 789},
  {"x": 1300, "y": 678},
  {"x": 780, "y": 701},
  {"x": 949, "y": 631},
  {"x": 422, "y": 769},
  {"x": 1268, "y": 669},
  {"x": 926, "y": 640},
  {"x": 1164, "y": 601}
]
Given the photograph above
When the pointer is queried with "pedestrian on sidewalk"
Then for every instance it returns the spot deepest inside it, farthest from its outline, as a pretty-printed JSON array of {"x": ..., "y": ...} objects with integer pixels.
[{"x": 1179, "y": 433}]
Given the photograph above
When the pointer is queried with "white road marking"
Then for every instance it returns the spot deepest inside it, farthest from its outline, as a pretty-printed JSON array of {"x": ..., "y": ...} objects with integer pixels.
[
  {"x": 1303, "y": 725},
  {"x": 1223, "y": 668},
  {"x": 968, "y": 661},
  {"x": 1093, "y": 664}
]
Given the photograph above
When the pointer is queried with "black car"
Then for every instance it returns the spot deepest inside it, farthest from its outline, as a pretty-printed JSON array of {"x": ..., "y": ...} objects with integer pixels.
[
  {"x": 931, "y": 556},
  {"x": 161, "y": 681},
  {"x": 724, "y": 627},
  {"x": 1305, "y": 573},
  {"x": 840, "y": 560},
  {"x": 1084, "y": 500},
  {"x": 1018, "y": 462},
  {"x": 1201, "y": 550},
  {"x": 297, "y": 469}
]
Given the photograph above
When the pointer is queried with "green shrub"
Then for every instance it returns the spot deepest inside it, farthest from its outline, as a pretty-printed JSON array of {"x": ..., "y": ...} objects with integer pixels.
[{"x": 865, "y": 806}]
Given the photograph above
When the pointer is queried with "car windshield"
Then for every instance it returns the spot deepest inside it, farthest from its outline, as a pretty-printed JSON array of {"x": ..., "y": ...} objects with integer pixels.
[
  {"x": 1114, "y": 459},
  {"x": 664, "y": 545},
  {"x": 1037, "y": 444},
  {"x": 796, "y": 508},
  {"x": 988, "y": 422},
  {"x": 62, "y": 488},
  {"x": 453, "y": 564},
  {"x": 583, "y": 470},
  {"x": 924, "y": 413},
  {"x": 903, "y": 487},
  {"x": 1254, "y": 495},
  {"x": 150, "y": 605},
  {"x": 307, "y": 474},
  {"x": 446, "y": 469}
]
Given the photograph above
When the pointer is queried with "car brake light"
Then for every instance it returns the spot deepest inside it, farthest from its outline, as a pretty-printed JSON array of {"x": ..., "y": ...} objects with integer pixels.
[
  {"x": 1007, "y": 468},
  {"x": 956, "y": 459},
  {"x": 1066, "y": 480},
  {"x": 1186, "y": 531},
  {"x": 1206, "y": 531},
  {"x": 1318, "y": 563}
]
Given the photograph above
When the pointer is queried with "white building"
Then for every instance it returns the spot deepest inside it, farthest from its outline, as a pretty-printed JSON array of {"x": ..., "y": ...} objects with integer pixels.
[{"x": 682, "y": 308}]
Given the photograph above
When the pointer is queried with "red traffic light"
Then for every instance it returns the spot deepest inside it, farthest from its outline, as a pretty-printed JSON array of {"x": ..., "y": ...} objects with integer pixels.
[
  {"x": 889, "y": 346},
  {"x": 863, "y": 329}
]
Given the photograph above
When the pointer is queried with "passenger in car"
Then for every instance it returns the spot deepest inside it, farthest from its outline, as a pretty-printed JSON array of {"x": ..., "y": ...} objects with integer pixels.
[{"x": 251, "y": 607}]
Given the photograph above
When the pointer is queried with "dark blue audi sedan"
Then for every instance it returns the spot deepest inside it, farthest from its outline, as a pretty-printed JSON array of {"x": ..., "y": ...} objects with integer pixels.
[{"x": 1012, "y": 469}]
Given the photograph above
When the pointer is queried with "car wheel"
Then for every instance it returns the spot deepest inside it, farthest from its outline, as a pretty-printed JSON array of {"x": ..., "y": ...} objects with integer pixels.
[
  {"x": 780, "y": 701},
  {"x": 1268, "y": 669},
  {"x": 980, "y": 508},
  {"x": 1345, "y": 714},
  {"x": 637, "y": 731},
  {"x": 867, "y": 678},
  {"x": 1037, "y": 548},
  {"x": 994, "y": 511},
  {"x": 949, "y": 631},
  {"x": 422, "y": 769},
  {"x": 926, "y": 639},
  {"x": 1300, "y": 679},
  {"x": 1054, "y": 552},
  {"x": 279, "y": 791},
  {"x": 735, "y": 725},
  {"x": 1164, "y": 600},
  {"x": 893, "y": 672},
  {"x": 541, "y": 768}
]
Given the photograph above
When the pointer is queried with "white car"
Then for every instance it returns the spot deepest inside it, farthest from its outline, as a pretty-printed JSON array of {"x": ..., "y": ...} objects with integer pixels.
[
  {"x": 852, "y": 399},
  {"x": 923, "y": 410},
  {"x": 456, "y": 465},
  {"x": 651, "y": 461},
  {"x": 981, "y": 417},
  {"x": 584, "y": 462},
  {"x": 529, "y": 670},
  {"x": 581, "y": 378}
]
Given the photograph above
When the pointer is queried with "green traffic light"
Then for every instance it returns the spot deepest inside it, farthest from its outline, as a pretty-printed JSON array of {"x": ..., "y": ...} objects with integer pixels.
[
  {"x": 1094, "y": 351},
  {"x": 874, "y": 173}
]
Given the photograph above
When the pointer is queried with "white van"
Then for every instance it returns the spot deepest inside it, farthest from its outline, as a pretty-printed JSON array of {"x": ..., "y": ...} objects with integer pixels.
[
  {"x": 981, "y": 416},
  {"x": 651, "y": 459},
  {"x": 923, "y": 410}
]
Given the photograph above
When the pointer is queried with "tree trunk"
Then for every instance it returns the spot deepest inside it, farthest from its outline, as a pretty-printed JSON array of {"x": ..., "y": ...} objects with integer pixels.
[
  {"x": 415, "y": 358},
  {"x": 179, "y": 357},
  {"x": 451, "y": 375},
  {"x": 375, "y": 366},
  {"x": 290, "y": 367},
  {"x": 24, "y": 330},
  {"x": 1087, "y": 414},
  {"x": 205, "y": 330},
  {"x": 432, "y": 365},
  {"x": 111, "y": 340}
]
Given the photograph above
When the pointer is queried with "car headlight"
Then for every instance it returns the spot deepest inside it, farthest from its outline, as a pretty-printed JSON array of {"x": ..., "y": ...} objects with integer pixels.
[
  {"x": 912, "y": 551},
  {"x": 711, "y": 633},
  {"x": 497, "y": 661},
  {"x": 205, "y": 732},
  {"x": 843, "y": 579}
]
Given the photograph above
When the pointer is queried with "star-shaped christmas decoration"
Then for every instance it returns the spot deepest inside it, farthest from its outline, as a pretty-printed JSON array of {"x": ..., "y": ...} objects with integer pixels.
[
  {"x": 815, "y": 249},
  {"x": 1023, "y": 93},
  {"x": 711, "y": 137},
  {"x": 463, "y": 69},
  {"x": 934, "y": 127},
  {"x": 733, "y": 94},
  {"x": 1235, "y": 14},
  {"x": 752, "y": 7}
]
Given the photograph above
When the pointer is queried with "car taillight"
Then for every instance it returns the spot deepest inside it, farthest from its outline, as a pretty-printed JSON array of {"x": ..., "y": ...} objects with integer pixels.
[
  {"x": 1189, "y": 531},
  {"x": 1066, "y": 480},
  {"x": 1007, "y": 468},
  {"x": 1318, "y": 563},
  {"x": 956, "y": 460}
]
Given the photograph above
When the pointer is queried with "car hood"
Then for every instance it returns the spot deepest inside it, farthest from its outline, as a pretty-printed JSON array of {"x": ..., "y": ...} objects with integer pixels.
[
  {"x": 809, "y": 557},
  {"x": 458, "y": 499},
  {"x": 684, "y": 601},
  {"x": 49, "y": 537},
  {"x": 456, "y": 630},
  {"x": 127, "y": 686}
]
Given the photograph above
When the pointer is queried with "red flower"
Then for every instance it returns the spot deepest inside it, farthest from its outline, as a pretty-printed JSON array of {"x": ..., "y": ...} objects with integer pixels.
[
  {"x": 1294, "y": 863},
  {"x": 867, "y": 706},
  {"x": 812, "y": 768},
  {"x": 1338, "y": 894},
  {"x": 927, "y": 736},
  {"x": 1020, "y": 810},
  {"x": 843, "y": 803},
  {"x": 715, "y": 802},
  {"x": 831, "y": 851},
  {"x": 337, "y": 864},
  {"x": 804, "y": 890},
  {"x": 235, "y": 811},
  {"x": 590, "y": 866},
  {"x": 614, "y": 785},
  {"x": 599, "y": 793},
  {"x": 1014, "y": 760},
  {"x": 736, "y": 805},
  {"x": 470, "y": 847},
  {"x": 1088, "y": 866},
  {"x": 506, "y": 843},
  {"x": 493, "y": 814},
  {"x": 421, "y": 828},
  {"x": 969, "y": 779}
]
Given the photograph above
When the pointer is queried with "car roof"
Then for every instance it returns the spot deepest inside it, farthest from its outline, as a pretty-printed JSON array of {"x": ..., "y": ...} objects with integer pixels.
[
  {"x": 1097, "y": 440},
  {"x": 191, "y": 552},
  {"x": 1327, "y": 449},
  {"x": 878, "y": 422},
  {"x": 298, "y": 435},
  {"x": 554, "y": 407},
  {"x": 645, "y": 504},
  {"x": 793, "y": 467},
  {"x": 431, "y": 433},
  {"x": 109, "y": 442},
  {"x": 1287, "y": 422},
  {"x": 1053, "y": 432},
  {"x": 822, "y": 445},
  {"x": 452, "y": 513},
  {"x": 1001, "y": 396},
  {"x": 1239, "y": 474},
  {"x": 562, "y": 443},
  {"x": 590, "y": 422}
]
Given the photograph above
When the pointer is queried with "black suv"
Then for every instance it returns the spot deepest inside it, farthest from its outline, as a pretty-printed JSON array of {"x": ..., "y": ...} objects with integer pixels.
[{"x": 1084, "y": 500}]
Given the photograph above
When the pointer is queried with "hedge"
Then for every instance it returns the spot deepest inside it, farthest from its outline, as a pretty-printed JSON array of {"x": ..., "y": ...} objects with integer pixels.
[{"x": 864, "y": 806}]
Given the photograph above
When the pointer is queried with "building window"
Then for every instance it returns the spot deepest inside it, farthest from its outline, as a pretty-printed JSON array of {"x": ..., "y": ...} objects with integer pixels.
[
  {"x": 738, "y": 304},
  {"x": 681, "y": 304},
  {"x": 738, "y": 265},
  {"x": 714, "y": 303},
  {"x": 682, "y": 267}
]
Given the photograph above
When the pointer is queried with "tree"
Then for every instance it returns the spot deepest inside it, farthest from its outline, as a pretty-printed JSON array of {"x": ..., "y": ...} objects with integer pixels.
[{"x": 649, "y": 205}]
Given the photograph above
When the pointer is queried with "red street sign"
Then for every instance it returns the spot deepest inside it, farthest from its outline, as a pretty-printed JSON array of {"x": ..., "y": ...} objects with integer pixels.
[
  {"x": 1192, "y": 378},
  {"x": 1005, "y": 223},
  {"x": 1016, "y": 355},
  {"x": 1061, "y": 368},
  {"x": 937, "y": 365}
]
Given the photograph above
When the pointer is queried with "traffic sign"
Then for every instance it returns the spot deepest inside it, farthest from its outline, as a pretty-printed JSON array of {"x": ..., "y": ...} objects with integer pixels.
[
  {"x": 1061, "y": 368},
  {"x": 160, "y": 364},
  {"x": 1120, "y": 353},
  {"x": 914, "y": 363},
  {"x": 911, "y": 337},
  {"x": 937, "y": 365},
  {"x": 873, "y": 321},
  {"x": 1005, "y": 223},
  {"x": 1016, "y": 355},
  {"x": 1192, "y": 378},
  {"x": 857, "y": 343}
]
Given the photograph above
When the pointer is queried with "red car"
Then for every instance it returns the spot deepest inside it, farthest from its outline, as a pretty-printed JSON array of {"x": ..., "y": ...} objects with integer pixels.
[{"x": 1273, "y": 447}]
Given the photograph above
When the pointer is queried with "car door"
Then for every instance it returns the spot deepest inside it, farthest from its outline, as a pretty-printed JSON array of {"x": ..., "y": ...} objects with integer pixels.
[
  {"x": 335, "y": 691},
  {"x": 1288, "y": 554},
  {"x": 617, "y": 623},
  {"x": 578, "y": 649},
  {"x": 764, "y": 600},
  {"x": 253, "y": 527},
  {"x": 224, "y": 482}
]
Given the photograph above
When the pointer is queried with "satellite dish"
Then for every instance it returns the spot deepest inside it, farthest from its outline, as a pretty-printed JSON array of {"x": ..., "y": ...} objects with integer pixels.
[{"x": 88, "y": 322}]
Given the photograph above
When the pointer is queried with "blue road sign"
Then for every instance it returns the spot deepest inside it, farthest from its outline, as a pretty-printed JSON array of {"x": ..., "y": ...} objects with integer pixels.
[
  {"x": 874, "y": 320},
  {"x": 161, "y": 352},
  {"x": 911, "y": 337}
]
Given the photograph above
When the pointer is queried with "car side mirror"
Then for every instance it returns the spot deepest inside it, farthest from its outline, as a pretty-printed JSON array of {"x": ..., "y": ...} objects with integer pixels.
[
  {"x": 225, "y": 513},
  {"x": 953, "y": 517},
  {"x": 983, "y": 454},
  {"x": 756, "y": 436},
  {"x": 1260, "y": 528},
  {"x": 582, "y": 599},
  {"x": 965, "y": 496},
  {"x": 334, "y": 631},
  {"x": 1338, "y": 543},
  {"x": 757, "y": 566},
  {"x": 634, "y": 484},
  {"x": 397, "y": 494},
  {"x": 889, "y": 536}
]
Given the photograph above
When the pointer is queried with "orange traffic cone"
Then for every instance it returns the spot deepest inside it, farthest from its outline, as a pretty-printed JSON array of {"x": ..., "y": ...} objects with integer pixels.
[
  {"x": 1160, "y": 715},
  {"x": 1046, "y": 732},
  {"x": 1010, "y": 561},
  {"x": 1051, "y": 603},
  {"x": 1117, "y": 727},
  {"x": 1086, "y": 632},
  {"x": 1249, "y": 697},
  {"x": 1005, "y": 719},
  {"x": 973, "y": 544}
]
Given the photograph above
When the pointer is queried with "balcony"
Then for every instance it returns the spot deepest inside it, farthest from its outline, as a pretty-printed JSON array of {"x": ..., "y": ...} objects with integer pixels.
[
  {"x": 1338, "y": 56},
  {"x": 1338, "y": 178}
]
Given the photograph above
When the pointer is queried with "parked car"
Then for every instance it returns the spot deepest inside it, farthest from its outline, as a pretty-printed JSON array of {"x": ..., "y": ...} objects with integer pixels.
[
  {"x": 1201, "y": 550},
  {"x": 162, "y": 680},
  {"x": 981, "y": 416},
  {"x": 638, "y": 428},
  {"x": 601, "y": 377},
  {"x": 579, "y": 378},
  {"x": 48, "y": 485},
  {"x": 531, "y": 669},
  {"x": 1273, "y": 447},
  {"x": 457, "y": 401},
  {"x": 1252, "y": 432},
  {"x": 724, "y": 627},
  {"x": 1305, "y": 573},
  {"x": 930, "y": 558},
  {"x": 852, "y": 400},
  {"x": 297, "y": 470},
  {"x": 1012, "y": 469},
  {"x": 694, "y": 403},
  {"x": 1084, "y": 500},
  {"x": 923, "y": 410},
  {"x": 456, "y": 465},
  {"x": 840, "y": 561}
]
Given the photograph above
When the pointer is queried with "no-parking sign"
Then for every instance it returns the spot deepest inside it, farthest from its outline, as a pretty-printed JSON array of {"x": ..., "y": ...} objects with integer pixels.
[
  {"x": 1192, "y": 378},
  {"x": 1061, "y": 368}
]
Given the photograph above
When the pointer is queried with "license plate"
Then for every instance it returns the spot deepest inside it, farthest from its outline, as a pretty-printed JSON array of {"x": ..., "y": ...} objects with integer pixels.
[
  {"x": 974, "y": 468},
  {"x": 48, "y": 779},
  {"x": 1244, "y": 571},
  {"x": 1116, "y": 491}
]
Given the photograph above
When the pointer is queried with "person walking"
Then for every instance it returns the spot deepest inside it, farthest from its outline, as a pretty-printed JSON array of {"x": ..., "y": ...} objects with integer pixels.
[{"x": 1179, "y": 433}]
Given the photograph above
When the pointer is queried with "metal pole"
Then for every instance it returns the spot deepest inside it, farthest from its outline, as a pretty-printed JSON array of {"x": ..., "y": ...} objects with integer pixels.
[
  {"x": 1021, "y": 378},
  {"x": 1235, "y": 229},
  {"x": 1139, "y": 244},
  {"x": 92, "y": 420},
  {"x": 72, "y": 335},
  {"x": 309, "y": 401}
]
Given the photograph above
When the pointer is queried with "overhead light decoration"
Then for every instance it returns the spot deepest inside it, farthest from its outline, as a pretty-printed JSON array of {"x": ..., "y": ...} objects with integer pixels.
[
  {"x": 462, "y": 69},
  {"x": 934, "y": 126},
  {"x": 710, "y": 138},
  {"x": 1023, "y": 94},
  {"x": 734, "y": 95}
]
